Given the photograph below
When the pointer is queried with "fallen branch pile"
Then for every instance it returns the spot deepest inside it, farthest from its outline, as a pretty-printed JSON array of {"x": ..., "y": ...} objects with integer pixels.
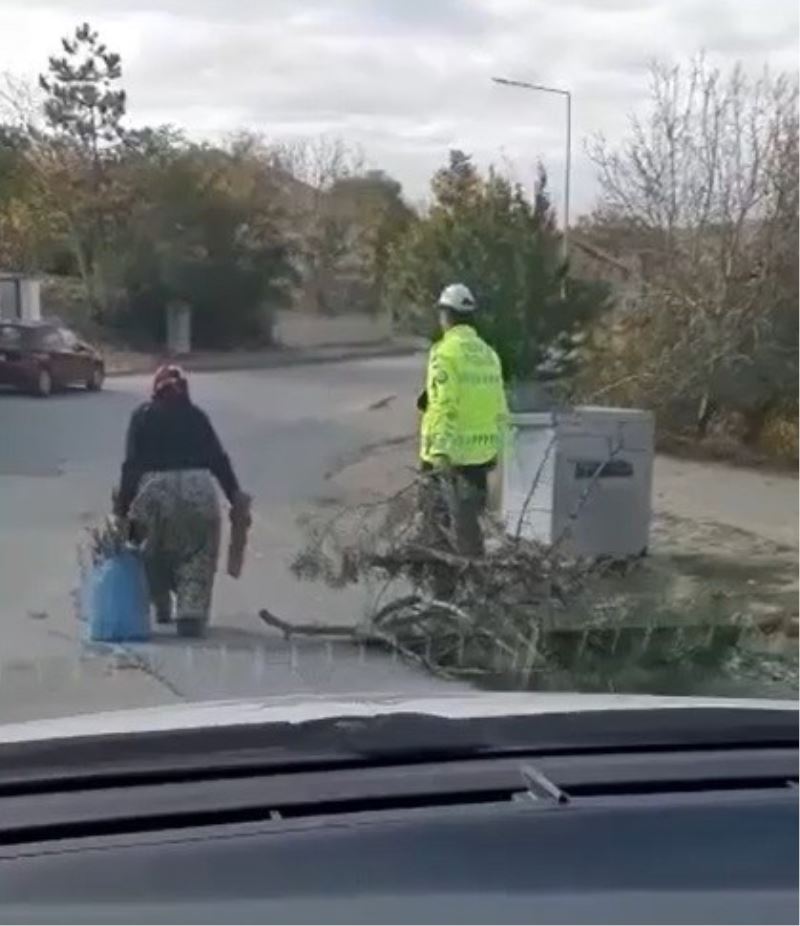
[{"x": 520, "y": 616}]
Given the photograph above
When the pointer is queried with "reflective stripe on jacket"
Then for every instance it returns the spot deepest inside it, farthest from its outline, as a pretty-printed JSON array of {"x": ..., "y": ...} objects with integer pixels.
[{"x": 466, "y": 415}]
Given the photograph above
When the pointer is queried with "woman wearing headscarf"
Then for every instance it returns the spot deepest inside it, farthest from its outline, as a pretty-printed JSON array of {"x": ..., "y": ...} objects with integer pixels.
[{"x": 167, "y": 492}]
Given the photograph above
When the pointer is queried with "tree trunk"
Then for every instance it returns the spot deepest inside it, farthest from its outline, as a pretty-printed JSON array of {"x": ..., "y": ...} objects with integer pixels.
[
  {"x": 705, "y": 415},
  {"x": 755, "y": 421},
  {"x": 86, "y": 270}
]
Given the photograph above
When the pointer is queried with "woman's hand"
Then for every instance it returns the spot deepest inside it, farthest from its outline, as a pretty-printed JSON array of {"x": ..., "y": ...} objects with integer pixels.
[
  {"x": 115, "y": 505},
  {"x": 123, "y": 527}
]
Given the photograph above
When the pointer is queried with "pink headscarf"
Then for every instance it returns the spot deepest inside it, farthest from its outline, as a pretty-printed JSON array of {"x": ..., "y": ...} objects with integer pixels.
[{"x": 169, "y": 380}]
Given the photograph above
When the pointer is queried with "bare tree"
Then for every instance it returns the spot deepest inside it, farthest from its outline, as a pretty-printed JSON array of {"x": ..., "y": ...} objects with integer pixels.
[
  {"x": 20, "y": 102},
  {"x": 707, "y": 181},
  {"x": 319, "y": 163}
]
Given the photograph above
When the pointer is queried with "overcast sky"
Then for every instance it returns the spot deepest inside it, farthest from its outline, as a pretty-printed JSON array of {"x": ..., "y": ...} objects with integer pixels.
[{"x": 405, "y": 79}]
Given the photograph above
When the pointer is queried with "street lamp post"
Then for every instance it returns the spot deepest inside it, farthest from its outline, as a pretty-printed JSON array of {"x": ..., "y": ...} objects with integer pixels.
[{"x": 567, "y": 162}]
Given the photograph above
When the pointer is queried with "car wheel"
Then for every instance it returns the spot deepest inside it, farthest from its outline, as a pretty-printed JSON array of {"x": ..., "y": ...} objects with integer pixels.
[
  {"x": 44, "y": 383},
  {"x": 95, "y": 381}
]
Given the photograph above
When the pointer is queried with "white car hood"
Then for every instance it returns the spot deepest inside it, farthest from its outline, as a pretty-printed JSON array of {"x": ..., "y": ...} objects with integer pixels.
[{"x": 296, "y": 709}]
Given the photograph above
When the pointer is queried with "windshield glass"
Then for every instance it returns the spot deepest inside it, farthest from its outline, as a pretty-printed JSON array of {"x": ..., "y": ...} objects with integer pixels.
[
  {"x": 13, "y": 336},
  {"x": 418, "y": 349}
]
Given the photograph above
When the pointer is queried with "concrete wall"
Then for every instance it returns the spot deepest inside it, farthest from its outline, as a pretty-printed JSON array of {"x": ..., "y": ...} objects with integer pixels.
[
  {"x": 20, "y": 298},
  {"x": 302, "y": 329},
  {"x": 30, "y": 300},
  {"x": 9, "y": 299}
]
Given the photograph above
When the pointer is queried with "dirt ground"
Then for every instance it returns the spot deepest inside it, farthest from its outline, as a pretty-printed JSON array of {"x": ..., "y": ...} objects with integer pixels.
[{"x": 723, "y": 539}]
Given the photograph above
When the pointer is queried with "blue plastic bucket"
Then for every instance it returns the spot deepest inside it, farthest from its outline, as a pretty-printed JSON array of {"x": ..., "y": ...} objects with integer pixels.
[{"x": 118, "y": 600}]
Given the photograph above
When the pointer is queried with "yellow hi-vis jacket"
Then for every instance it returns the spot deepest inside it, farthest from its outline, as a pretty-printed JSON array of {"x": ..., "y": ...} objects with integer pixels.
[{"x": 467, "y": 414}]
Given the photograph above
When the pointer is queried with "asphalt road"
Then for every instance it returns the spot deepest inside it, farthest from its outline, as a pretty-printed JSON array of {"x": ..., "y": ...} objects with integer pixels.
[
  {"x": 59, "y": 459},
  {"x": 285, "y": 429}
]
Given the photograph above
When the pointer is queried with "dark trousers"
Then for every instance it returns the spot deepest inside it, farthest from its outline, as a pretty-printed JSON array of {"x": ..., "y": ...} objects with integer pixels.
[{"x": 452, "y": 503}]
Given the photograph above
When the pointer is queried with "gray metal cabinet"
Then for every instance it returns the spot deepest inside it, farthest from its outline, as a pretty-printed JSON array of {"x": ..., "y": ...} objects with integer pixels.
[{"x": 582, "y": 478}]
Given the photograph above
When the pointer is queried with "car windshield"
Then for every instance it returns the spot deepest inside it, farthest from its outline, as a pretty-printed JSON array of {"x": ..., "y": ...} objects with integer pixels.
[{"x": 397, "y": 349}]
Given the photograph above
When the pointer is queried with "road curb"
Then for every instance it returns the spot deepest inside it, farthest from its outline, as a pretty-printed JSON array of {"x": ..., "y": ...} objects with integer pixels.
[{"x": 279, "y": 360}]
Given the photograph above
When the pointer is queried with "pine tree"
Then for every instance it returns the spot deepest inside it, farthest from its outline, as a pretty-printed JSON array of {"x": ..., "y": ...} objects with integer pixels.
[
  {"x": 84, "y": 109},
  {"x": 485, "y": 232}
]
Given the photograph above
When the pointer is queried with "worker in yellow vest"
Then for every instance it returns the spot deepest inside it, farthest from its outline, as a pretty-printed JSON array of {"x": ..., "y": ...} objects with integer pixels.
[{"x": 463, "y": 425}]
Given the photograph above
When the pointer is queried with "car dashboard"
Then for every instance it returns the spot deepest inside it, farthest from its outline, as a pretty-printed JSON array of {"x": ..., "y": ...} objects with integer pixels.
[{"x": 534, "y": 823}]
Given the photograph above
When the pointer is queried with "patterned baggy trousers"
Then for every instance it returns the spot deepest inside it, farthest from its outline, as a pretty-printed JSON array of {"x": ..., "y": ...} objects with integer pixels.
[{"x": 178, "y": 513}]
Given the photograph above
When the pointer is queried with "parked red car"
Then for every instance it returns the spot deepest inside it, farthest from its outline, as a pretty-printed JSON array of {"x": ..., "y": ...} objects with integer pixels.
[{"x": 42, "y": 357}]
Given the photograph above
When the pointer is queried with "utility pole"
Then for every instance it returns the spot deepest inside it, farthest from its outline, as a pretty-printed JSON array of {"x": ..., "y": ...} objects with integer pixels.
[{"x": 568, "y": 155}]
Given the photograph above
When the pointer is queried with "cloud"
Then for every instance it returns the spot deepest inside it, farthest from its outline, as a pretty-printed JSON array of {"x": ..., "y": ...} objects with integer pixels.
[
  {"x": 405, "y": 79},
  {"x": 741, "y": 29}
]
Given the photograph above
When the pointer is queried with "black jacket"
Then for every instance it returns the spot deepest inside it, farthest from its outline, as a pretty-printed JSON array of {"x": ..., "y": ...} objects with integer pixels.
[{"x": 171, "y": 434}]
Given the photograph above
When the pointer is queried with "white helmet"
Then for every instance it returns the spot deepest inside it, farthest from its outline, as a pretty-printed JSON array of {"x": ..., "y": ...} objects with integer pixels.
[{"x": 457, "y": 297}]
